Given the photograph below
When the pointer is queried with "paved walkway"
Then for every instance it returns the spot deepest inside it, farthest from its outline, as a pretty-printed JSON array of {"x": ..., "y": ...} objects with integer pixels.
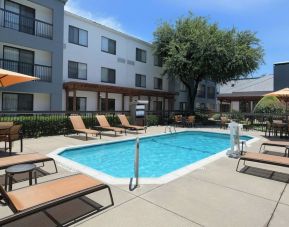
[{"x": 214, "y": 195}]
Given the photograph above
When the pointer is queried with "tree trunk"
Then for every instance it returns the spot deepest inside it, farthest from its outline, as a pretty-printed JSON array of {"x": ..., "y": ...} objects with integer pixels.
[{"x": 192, "y": 93}]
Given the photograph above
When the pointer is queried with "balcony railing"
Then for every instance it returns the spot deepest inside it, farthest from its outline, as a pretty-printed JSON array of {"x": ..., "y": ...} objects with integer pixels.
[
  {"x": 25, "y": 24},
  {"x": 44, "y": 73}
]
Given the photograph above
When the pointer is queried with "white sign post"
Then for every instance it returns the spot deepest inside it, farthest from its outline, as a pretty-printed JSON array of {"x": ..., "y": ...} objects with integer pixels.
[{"x": 234, "y": 152}]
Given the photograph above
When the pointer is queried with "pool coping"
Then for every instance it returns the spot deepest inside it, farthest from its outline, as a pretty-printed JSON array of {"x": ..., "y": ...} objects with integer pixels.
[{"x": 73, "y": 166}]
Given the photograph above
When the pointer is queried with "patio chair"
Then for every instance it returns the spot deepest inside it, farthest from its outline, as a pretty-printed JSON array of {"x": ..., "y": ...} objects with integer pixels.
[
  {"x": 10, "y": 135},
  {"x": 106, "y": 126},
  {"x": 178, "y": 120},
  {"x": 224, "y": 122},
  {"x": 40, "y": 197},
  {"x": 30, "y": 158},
  {"x": 190, "y": 121},
  {"x": 263, "y": 158},
  {"x": 6, "y": 124},
  {"x": 125, "y": 123},
  {"x": 79, "y": 127}
]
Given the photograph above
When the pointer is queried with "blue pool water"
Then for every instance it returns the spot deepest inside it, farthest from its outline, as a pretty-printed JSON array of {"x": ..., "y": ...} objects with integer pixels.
[{"x": 159, "y": 155}]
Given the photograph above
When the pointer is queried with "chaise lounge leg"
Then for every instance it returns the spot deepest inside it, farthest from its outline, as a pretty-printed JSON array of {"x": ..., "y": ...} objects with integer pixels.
[
  {"x": 56, "y": 170},
  {"x": 110, "y": 195},
  {"x": 238, "y": 165}
]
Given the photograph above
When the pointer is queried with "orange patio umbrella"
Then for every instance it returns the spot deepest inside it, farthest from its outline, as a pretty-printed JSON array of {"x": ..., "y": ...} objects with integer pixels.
[
  {"x": 8, "y": 78},
  {"x": 282, "y": 94}
]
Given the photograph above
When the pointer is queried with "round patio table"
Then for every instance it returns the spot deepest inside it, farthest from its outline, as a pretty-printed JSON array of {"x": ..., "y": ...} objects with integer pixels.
[{"x": 18, "y": 169}]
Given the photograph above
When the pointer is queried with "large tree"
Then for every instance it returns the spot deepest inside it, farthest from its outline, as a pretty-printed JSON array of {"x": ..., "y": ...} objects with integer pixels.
[{"x": 193, "y": 49}]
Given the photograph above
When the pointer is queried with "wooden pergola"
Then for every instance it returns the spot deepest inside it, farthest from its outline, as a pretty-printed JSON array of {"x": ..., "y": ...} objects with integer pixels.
[{"x": 125, "y": 91}]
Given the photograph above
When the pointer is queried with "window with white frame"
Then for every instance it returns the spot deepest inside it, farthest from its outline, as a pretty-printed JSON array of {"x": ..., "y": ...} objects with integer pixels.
[
  {"x": 77, "y": 70},
  {"x": 108, "y": 45},
  {"x": 141, "y": 55},
  {"x": 78, "y": 36},
  {"x": 107, "y": 75}
]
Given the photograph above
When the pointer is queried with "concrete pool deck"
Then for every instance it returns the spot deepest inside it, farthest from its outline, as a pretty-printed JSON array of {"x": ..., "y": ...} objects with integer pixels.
[{"x": 213, "y": 195}]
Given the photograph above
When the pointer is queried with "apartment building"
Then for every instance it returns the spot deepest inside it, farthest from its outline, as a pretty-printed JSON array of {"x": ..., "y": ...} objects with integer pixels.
[
  {"x": 31, "y": 42},
  {"x": 111, "y": 69},
  {"x": 105, "y": 70},
  {"x": 82, "y": 65}
]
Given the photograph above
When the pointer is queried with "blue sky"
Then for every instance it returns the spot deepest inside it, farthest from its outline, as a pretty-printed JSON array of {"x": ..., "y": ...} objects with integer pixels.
[{"x": 268, "y": 18}]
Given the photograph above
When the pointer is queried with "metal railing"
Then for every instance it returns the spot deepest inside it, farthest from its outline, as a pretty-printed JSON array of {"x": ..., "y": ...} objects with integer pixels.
[
  {"x": 29, "y": 25},
  {"x": 43, "y": 72}
]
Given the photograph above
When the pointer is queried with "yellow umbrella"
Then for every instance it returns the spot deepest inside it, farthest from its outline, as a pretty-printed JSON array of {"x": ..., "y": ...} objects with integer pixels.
[
  {"x": 282, "y": 94},
  {"x": 8, "y": 78}
]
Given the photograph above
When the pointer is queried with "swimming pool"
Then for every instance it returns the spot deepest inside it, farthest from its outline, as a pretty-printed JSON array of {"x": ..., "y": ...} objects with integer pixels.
[{"x": 159, "y": 155}]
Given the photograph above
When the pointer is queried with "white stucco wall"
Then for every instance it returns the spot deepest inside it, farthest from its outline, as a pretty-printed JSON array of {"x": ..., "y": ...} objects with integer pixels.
[{"x": 95, "y": 58}]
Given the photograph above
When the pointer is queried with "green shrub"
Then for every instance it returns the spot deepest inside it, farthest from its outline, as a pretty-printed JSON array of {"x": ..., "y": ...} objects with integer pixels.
[
  {"x": 152, "y": 120},
  {"x": 268, "y": 105},
  {"x": 236, "y": 115}
]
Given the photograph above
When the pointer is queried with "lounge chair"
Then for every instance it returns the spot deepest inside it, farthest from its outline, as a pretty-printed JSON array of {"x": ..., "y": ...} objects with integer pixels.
[
  {"x": 39, "y": 197},
  {"x": 79, "y": 127},
  {"x": 124, "y": 123},
  {"x": 282, "y": 144},
  {"x": 264, "y": 158},
  {"x": 106, "y": 126},
  {"x": 35, "y": 158},
  {"x": 190, "y": 121}
]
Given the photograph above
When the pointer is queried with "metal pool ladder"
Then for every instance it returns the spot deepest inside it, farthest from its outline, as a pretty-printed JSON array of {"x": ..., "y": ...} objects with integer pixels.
[{"x": 169, "y": 128}]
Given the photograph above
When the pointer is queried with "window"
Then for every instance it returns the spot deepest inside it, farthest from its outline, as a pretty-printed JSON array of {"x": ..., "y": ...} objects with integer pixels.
[
  {"x": 19, "y": 17},
  {"x": 77, "y": 70},
  {"x": 80, "y": 104},
  {"x": 245, "y": 106},
  {"x": 78, "y": 36},
  {"x": 141, "y": 55},
  {"x": 108, "y": 45},
  {"x": 110, "y": 102},
  {"x": 201, "y": 93},
  {"x": 158, "y": 105},
  {"x": 158, "y": 83},
  {"x": 140, "y": 80},
  {"x": 183, "y": 106},
  {"x": 183, "y": 87},
  {"x": 18, "y": 60},
  {"x": 158, "y": 61},
  {"x": 211, "y": 92},
  {"x": 107, "y": 75},
  {"x": 17, "y": 102}
]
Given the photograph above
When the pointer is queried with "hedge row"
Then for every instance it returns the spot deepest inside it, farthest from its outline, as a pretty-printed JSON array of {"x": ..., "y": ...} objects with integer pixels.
[{"x": 49, "y": 125}]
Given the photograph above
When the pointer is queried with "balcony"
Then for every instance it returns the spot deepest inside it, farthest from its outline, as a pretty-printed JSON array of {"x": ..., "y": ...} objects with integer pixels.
[
  {"x": 25, "y": 24},
  {"x": 44, "y": 73}
]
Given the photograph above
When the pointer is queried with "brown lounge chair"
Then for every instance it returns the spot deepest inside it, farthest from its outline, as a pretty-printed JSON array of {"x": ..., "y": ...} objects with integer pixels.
[
  {"x": 11, "y": 134},
  {"x": 79, "y": 127},
  {"x": 39, "y": 197},
  {"x": 264, "y": 158},
  {"x": 106, "y": 126},
  {"x": 282, "y": 144},
  {"x": 35, "y": 158},
  {"x": 124, "y": 123}
]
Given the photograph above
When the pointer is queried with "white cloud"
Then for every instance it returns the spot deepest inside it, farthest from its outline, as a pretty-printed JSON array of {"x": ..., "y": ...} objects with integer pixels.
[{"x": 73, "y": 6}]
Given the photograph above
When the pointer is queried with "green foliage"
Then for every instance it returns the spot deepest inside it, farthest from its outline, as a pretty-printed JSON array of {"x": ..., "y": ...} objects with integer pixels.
[
  {"x": 237, "y": 115},
  {"x": 193, "y": 49},
  {"x": 49, "y": 125},
  {"x": 268, "y": 105},
  {"x": 152, "y": 120}
]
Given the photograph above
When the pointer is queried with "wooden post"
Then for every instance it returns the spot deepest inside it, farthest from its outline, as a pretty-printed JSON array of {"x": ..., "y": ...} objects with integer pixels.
[
  {"x": 66, "y": 99},
  {"x": 149, "y": 104},
  {"x": 98, "y": 101},
  {"x": 106, "y": 101},
  {"x": 122, "y": 102},
  {"x": 74, "y": 101}
]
